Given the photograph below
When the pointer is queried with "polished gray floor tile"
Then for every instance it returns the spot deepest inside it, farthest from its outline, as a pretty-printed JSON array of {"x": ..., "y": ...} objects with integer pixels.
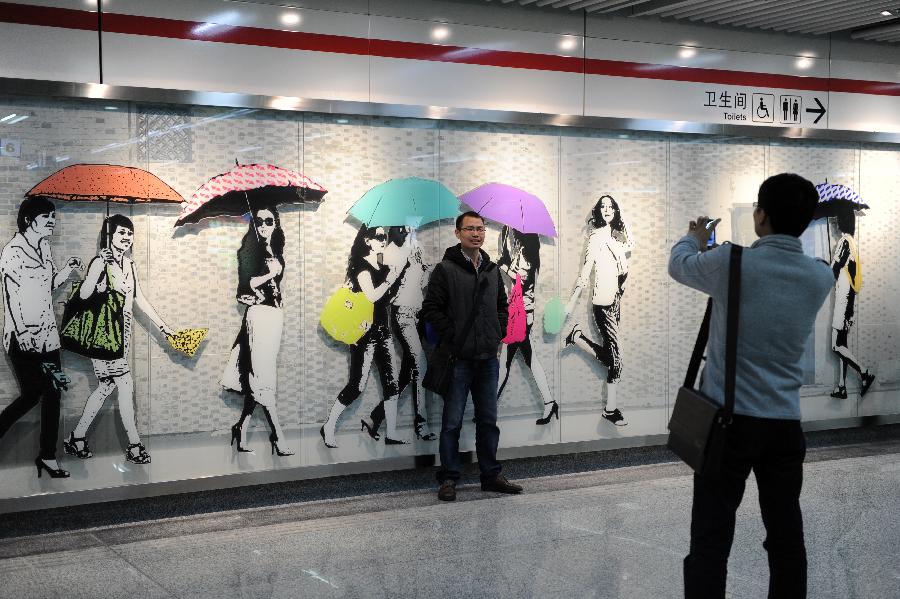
[
  {"x": 619, "y": 535},
  {"x": 84, "y": 574}
]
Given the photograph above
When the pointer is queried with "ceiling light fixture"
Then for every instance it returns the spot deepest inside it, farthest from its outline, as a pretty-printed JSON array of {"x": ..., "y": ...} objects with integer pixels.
[
  {"x": 18, "y": 119},
  {"x": 440, "y": 33},
  {"x": 568, "y": 44},
  {"x": 8, "y": 117},
  {"x": 803, "y": 63},
  {"x": 687, "y": 52},
  {"x": 290, "y": 18},
  {"x": 887, "y": 13}
]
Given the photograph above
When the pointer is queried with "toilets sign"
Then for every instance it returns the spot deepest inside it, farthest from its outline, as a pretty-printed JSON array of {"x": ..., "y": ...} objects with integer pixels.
[{"x": 764, "y": 107}]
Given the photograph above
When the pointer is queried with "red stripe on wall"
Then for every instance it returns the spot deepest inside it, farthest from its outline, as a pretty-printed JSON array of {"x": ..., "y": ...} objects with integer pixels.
[
  {"x": 874, "y": 88},
  {"x": 479, "y": 56},
  {"x": 317, "y": 42},
  {"x": 23, "y": 14},
  {"x": 229, "y": 34},
  {"x": 617, "y": 68}
]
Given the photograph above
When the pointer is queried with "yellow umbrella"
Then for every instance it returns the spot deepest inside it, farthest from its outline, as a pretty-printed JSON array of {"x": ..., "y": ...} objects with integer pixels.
[
  {"x": 187, "y": 340},
  {"x": 347, "y": 315}
]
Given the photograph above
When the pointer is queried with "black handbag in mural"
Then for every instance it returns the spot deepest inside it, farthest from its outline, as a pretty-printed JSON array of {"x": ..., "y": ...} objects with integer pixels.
[
  {"x": 698, "y": 426},
  {"x": 93, "y": 327}
]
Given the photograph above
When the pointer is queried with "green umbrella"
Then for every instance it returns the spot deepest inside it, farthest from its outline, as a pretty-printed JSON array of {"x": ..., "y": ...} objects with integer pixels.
[{"x": 410, "y": 202}]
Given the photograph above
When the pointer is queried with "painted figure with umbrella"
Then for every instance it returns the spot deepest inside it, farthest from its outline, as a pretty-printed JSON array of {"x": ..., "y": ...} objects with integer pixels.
[
  {"x": 252, "y": 365},
  {"x": 386, "y": 265},
  {"x": 840, "y": 204},
  {"x": 524, "y": 218},
  {"x": 609, "y": 245},
  {"x": 28, "y": 276},
  {"x": 111, "y": 273}
]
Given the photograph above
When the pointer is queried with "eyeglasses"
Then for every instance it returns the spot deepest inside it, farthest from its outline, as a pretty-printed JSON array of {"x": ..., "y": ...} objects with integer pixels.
[
  {"x": 264, "y": 221},
  {"x": 379, "y": 237},
  {"x": 474, "y": 229}
]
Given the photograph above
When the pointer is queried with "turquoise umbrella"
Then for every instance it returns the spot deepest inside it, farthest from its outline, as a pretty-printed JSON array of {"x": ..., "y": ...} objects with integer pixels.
[{"x": 410, "y": 202}]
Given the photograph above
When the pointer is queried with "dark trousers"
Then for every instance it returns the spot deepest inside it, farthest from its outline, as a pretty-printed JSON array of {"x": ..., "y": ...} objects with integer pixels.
[
  {"x": 479, "y": 377},
  {"x": 774, "y": 450},
  {"x": 35, "y": 386}
]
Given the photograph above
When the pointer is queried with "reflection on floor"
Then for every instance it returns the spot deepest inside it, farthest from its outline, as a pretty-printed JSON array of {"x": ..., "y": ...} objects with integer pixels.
[{"x": 612, "y": 533}]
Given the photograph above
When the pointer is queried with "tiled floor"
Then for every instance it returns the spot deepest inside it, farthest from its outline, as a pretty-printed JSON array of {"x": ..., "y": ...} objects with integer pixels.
[{"x": 615, "y": 533}]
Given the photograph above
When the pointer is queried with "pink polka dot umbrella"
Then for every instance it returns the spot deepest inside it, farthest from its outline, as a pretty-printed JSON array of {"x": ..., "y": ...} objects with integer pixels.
[{"x": 247, "y": 187}]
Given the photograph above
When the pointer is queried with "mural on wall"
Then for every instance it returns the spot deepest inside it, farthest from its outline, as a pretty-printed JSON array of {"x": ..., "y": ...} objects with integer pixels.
[
  {"x": 386, "y": 267},
  {"x": 524, "y": 218},
  {"x": 840, "y": 205},
  {"x": 403, "y": 252},
  {"x": 30, "y": 333},
  {"x": 107, "y": 297},
  {"x": 606, "y": 254},
  {"x": 252, "y": 366},
  {"x": 98, "y": 318}
]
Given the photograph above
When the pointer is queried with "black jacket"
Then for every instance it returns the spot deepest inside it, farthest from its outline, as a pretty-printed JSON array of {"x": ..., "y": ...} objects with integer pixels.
[{"x": 449, "y": 299}]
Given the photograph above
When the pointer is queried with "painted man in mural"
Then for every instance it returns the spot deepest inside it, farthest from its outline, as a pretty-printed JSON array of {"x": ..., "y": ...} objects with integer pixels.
[
  {"x": 609, "y": 245},
  {"x": 113, "y": 270},
  {"x": 367, "y": 273},
  {"x": 30, "y": 334},
  {"x": 848, "y": 281},
  {"x": 403, "y": 252},
  {"x": 252, "y": 368},
  {"x": 520, "y": 255}
]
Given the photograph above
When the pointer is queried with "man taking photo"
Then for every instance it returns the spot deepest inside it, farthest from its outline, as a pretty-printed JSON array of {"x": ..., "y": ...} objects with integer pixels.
[{"x": 781, "y": 292}]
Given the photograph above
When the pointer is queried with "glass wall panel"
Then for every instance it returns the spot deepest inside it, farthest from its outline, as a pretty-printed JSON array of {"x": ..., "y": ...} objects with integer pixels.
[{"x": 633, "y": 327}]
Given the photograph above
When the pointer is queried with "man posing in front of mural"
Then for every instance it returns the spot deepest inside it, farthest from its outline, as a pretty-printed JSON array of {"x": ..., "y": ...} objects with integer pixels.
[
  {"x": 30, "y": 334},
  {"x": 466, "y": 304},
  {"x": 765, "y": 435}
]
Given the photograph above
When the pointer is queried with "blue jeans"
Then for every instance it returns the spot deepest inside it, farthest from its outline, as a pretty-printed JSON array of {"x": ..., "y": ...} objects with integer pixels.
[{"x": 479, "y": 377}]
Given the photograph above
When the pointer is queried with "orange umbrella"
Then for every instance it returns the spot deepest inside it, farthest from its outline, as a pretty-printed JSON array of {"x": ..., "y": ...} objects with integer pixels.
[{"x": 105, "y": 182}]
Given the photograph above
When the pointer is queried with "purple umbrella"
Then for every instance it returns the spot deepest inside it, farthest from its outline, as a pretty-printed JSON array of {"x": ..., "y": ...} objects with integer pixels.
[{"x": 511, "y": 206}]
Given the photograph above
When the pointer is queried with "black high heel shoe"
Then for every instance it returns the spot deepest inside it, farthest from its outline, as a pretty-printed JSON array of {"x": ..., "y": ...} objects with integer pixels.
[
  {"x": 142, "y": 458},
  {"x": 370, "y": 429},
  {"x": 389, "y": 441},
  {"x": 42, "y": 465},
  {"x": 420, "y": 424},
  {"x": 322, "y": 432},
  {"x": 236, "y": 438},
  {"x": 273, "y": 439},
  {"x": 554, "y": 411},
  {"x": 71, "y": 447}
]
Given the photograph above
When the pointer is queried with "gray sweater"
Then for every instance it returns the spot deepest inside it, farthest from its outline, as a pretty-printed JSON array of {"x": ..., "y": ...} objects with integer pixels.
[{"x": 782, "y": 290}]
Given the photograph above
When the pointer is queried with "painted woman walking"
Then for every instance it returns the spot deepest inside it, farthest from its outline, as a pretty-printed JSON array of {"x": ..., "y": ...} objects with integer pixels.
[
  {"x": 30, "y": 334},
  {"x": 367, "y": 273},
  {"x": 520, "y": 256},
  {"x": 608, "y": 247},
  {"x": 848, "y": 281},
  {"x": 113, "y": 269},
  {"x": 252, "y": 368},
  {"x": 403, "y": 252}
]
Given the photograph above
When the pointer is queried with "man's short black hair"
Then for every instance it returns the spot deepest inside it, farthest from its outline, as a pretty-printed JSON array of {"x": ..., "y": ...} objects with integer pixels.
[
  {"x": 459, "y": 219},
  {"x": 789, "y": 201},
  {"x": 32, "y": 207}
]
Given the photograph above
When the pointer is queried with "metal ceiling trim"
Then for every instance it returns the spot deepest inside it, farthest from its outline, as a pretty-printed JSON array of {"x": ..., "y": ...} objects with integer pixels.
[{"x": 31, "y": 88}]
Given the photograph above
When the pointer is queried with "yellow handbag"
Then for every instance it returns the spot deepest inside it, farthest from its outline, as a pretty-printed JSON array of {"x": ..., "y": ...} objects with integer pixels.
[{"x": 347, "y": 316}]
